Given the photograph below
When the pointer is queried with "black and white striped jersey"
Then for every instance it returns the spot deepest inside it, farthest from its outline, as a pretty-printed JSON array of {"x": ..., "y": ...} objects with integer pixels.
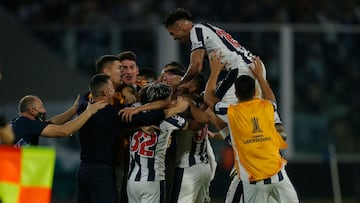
[
  {"x": 147, "y": 151},
  {"x": 212, "y": 38},
  {"x": 191, "y": 147}
]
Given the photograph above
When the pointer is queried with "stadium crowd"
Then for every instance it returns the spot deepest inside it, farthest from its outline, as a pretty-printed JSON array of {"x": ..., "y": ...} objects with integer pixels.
[{"x": 124, "y": 11}]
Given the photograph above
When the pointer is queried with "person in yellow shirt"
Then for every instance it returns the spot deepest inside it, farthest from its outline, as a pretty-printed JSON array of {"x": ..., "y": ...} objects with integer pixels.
[{"x": 256, "y": 142}]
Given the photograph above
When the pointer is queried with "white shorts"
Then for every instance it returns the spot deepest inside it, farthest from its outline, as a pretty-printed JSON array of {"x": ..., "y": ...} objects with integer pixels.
[
  {"x": 146, "y": 191},
  {"x": 191, "y": 184},
  {"x": 235, "y": 191},
  {"x": 281, "y": 191}
]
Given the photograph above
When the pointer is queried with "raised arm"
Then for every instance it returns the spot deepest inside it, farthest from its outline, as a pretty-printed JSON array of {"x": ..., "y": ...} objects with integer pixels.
[
  {"x": 199, "y": 115},
  {"x": 179, "y": 106},
  {"x": 68, "y": 128},
  {"x": 128, "y": 112},
  {"x": 214, "y": 119},
  {"x": 216, "y": 66},
  {"x": 195, "y": 66},
  {"x": 257, "y": 70}
]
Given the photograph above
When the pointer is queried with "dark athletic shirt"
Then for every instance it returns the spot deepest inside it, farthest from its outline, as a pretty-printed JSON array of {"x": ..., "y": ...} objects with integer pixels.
[{"x": 98, "y": 135}]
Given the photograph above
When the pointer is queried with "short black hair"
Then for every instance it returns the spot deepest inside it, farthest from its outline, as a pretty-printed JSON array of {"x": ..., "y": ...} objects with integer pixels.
[
  {"x": 127, "y": 55},
  {"x": 97, "y": 82},
  {"x": 103, "y": 60},
  {"x": 175, "y": 15},
  {"x": 178, "y": 68},
  {"x": 147, "y": 73},
  {"x": 154, "y": 92},
  {"x": 244, "y": 87}
]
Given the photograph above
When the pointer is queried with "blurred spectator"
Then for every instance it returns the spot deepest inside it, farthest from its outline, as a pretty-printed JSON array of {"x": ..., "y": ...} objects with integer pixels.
[
  {"x": 269, "y": 11},
  {"x": 340, "y": 130}
]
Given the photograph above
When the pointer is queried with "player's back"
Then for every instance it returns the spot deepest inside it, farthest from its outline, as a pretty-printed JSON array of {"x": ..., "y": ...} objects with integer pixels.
[
  {"x": 147, "y": 151},
  {"x": 191, "y": 147},
  {"x": 212, "y": 38},
  {"x": 98, "y": 134}
]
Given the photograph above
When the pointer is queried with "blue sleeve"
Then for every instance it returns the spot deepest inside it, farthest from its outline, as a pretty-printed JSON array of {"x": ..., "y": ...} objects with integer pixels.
[{"x": 148, "y": 118}]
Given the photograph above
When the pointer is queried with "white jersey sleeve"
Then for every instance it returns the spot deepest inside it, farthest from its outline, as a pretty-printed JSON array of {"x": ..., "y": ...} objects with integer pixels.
[
  {"x": 212, "y": 38},
  {"x": 147, "y": 151},
  {"x": 173, "y": 123},
  {"x": 276, "y": 114},
  {"x": 220, "y": 109}
]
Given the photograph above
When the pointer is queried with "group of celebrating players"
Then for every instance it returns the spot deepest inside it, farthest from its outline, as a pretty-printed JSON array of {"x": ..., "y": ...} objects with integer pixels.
[{"x": 147, "y": 140}]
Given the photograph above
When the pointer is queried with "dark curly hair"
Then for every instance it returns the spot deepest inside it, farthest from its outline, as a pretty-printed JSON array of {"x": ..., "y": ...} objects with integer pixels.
[{"x": 175, "y": 15}]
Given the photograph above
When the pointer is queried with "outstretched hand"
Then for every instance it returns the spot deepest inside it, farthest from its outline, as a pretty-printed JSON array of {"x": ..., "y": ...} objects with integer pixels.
[
  {"x": 127, "y": 113},
  {"x": 181, "y": 104},
  {"x": 213, "y": 135},
  {"x": 94, "y": 107},
  {"x": 215, "y": 61},
  {"x": 149, "y": 129},
  {"x": 257, "y": 69},
  {"x": 129, "y": 95},
  {"x": 178, "y": 106}
]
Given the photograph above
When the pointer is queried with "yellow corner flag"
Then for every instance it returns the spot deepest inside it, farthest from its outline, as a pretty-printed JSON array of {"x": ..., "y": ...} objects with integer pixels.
[{"x": 26, "y": 174}]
